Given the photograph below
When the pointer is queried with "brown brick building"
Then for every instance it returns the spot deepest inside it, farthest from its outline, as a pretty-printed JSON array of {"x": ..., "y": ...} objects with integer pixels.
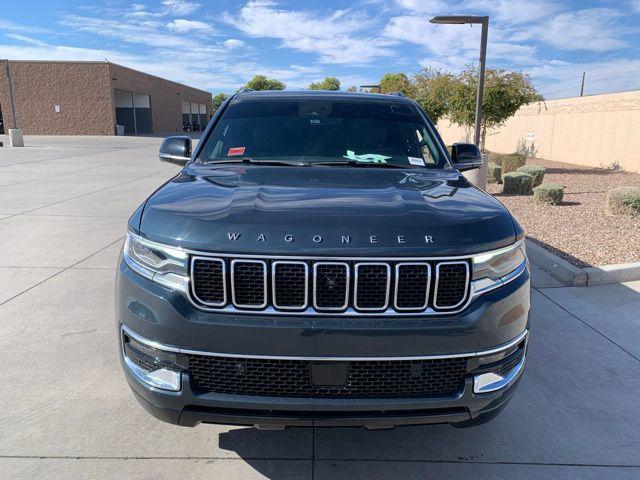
[{"x": 91, "y": 98}]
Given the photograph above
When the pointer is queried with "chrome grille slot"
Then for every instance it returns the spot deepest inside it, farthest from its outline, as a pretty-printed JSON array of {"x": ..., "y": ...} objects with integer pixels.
[
  {"x": 371, "y": 290},
  {"x": 249, "y": 283},
  {"x": 211, "y": 288},
  {"x": 412, "y": 286},
  {"x": 330, "y": 286},
  {"x": 452, "y": 283},
  {"x": 290, "y": 284}
]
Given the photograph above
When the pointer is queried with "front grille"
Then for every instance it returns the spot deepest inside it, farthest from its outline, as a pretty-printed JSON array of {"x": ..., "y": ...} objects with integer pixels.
[
  {"x": 292, "y": 378},
  {"x": 412, "y": 287},
  {"x": 290, "y": 284},
  {"x": 210, "y": 287},
  {"x": 331, "y": 286},
  {"x": 309, "y": 286},
  {"x": 372, "y": 286},
  {"x": 249, "y": 283},
  {"x": 451, "y": 284}
]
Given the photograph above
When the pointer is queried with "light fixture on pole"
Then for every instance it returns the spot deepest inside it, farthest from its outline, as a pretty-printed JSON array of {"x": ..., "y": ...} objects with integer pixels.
[{"x": 484, "y": 21}]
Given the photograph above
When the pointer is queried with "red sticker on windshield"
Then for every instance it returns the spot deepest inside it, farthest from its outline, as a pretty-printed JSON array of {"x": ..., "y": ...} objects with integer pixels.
[{"x": 233, "y": 151}]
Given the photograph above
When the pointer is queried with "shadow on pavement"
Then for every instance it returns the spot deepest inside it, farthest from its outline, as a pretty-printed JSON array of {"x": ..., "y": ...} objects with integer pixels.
[{"x": 253, "y": 445}]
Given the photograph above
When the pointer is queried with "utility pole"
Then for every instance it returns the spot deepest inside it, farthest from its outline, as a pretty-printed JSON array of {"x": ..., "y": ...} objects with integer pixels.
[{"x": 582, "y": 85}]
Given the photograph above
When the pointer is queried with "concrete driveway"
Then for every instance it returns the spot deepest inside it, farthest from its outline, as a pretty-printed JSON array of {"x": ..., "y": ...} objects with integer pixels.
[{"x": 68, "y": 413}]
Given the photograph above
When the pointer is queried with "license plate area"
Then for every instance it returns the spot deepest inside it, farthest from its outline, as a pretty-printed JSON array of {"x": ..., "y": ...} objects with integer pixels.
[{"x": 329, "y": 374}]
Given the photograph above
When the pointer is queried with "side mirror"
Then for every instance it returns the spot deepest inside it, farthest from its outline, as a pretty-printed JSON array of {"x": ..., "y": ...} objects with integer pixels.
[
  {"x": 176, "y": 150},
  {"x": 466, "y": 156}
]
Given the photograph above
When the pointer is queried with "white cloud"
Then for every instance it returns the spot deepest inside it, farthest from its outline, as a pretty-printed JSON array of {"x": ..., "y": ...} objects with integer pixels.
[
  {"x": 513, "y": 11},
  {"x": 25, "y": 39},
  {"x": 334, "y": 36},
  {"x": 182, "y": 25},
  {"x": 452, "y": 46},
  {"x": 431, "y": 7},
  {"x": 232, "y": 43},
  {"x": 180, "y": 7},
  {"x": 147, "y": 32},
  {"x": 591, "y": 29}
]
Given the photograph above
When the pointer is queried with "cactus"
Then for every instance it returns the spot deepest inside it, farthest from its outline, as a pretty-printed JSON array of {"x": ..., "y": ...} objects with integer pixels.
[
  {"x": 549, "y": 193},
  {"x": 494, "y": 173},
  {"x": 517, "y": 183},
  {"x": 536, "y": 171},
  {"x": 624, "y": 200}
]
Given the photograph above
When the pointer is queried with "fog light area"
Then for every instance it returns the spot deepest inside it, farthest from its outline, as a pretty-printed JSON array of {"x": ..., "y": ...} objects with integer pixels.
[{"x": 157, "y": 368}]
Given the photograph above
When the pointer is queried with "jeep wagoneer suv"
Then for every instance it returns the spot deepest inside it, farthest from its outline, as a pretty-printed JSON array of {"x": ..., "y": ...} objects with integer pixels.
[{"x": 321, "y": 261}]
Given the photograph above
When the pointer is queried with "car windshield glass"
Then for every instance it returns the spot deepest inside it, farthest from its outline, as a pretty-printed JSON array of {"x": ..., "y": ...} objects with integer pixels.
[{"x": 351, "y": 132}]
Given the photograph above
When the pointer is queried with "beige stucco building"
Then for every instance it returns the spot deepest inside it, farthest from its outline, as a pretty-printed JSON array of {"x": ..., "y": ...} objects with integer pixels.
[
  {"x": 596, "y": 130},
  {"x": 91, "y": 98}
]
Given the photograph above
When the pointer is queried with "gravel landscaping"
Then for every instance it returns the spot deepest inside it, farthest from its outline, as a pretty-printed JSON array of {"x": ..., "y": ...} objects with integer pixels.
[{"x": 580, "y": 229}]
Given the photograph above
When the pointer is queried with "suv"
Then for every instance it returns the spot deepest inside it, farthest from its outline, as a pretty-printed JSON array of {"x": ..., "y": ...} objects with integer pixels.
[{"x": 321, "y": 261}]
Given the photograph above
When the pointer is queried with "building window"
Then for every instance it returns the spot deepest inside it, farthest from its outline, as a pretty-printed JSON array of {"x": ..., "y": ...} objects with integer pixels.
[{"x": 133, "y": 110}]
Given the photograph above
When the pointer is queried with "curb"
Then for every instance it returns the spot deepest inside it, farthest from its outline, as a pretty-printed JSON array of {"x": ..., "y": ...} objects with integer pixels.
[{"x": 573, "y": 276}]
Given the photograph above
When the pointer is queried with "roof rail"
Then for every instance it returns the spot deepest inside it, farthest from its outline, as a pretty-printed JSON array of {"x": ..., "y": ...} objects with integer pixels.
[
  {"x": 397, "y": 94},
  {"x": 244, "y": 89}
]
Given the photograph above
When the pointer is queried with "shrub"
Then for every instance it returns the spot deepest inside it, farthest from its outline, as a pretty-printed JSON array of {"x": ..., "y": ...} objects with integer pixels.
[
  {"x": 517, "y": 183},
  {"x": 493, "y": 157},
  {"x": 549, "y": 193},
  {"x": 512, "y": 162},
  {"x": 624, "y": 200},
  {"x": 494, "y": 173},
  {"x": 536, "y": 171},
  {"x": 527, "y": 149}
]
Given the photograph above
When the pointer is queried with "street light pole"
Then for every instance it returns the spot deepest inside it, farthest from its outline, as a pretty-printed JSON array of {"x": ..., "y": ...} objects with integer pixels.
[
  {"x": 484, "y": 21},
  {"x": 10, "y": 88},
  {"x": 480, "y": 94},
  {"x": 15, "y": 134}
]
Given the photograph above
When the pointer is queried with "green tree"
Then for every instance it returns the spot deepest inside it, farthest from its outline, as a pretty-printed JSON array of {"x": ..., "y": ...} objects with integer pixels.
[
  {"x": 397, "y": 82},
  {"x": 433, "y": 89},
  {"x": 504, "y": 93},
  {"x": 352, "y": 88},
  {"x": 218, "y": 100},
  {"x": 329, "y": 83},
  {"x": 260, "y": 82}
]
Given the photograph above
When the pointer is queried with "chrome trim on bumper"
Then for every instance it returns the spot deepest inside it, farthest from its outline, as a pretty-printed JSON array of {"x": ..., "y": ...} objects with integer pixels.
[
  {"x": 168, "y": 348},
  {"x": 490, "y": 382},
  {"x": 161, "y": 378}
]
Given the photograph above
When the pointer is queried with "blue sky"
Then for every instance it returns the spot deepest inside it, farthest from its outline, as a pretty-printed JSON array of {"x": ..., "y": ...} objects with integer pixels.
[{"x": 219, "y": 45}]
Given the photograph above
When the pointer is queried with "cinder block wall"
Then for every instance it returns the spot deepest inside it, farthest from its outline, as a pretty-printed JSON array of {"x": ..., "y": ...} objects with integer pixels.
[
  {"x": 166, "y": 96},
  {"x": 82, "y": 91},
  {"x": 597, "y": 130}
]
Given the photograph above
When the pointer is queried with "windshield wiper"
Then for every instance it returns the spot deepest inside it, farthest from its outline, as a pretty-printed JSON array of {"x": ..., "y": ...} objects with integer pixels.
[
  {"x": 259, "y": 162},
  {"x": 354, "y": 163}
]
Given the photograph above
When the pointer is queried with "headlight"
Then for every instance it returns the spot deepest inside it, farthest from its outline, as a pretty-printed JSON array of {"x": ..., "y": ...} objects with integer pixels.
[
  {"x": 161, "y": 263},
  {"x": 497, "y": 264}
]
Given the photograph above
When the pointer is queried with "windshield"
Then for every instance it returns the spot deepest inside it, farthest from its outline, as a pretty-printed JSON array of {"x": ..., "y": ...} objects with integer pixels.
[{"x": 319, "y": 131}]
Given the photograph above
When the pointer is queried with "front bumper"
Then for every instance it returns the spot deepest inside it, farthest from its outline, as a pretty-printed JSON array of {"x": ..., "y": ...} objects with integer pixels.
[{"x": 166, "y": 320}]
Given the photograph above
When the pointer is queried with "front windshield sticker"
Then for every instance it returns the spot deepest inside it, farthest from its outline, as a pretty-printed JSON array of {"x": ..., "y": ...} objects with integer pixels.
[
  {"x": 233, "y": 151},
  {"x": 366, "y": 157},
  {"x": 416, "y": 161}
]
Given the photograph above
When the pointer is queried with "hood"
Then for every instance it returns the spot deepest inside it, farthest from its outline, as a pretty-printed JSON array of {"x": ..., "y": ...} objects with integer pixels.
[{"x": 325, "y": 211}]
